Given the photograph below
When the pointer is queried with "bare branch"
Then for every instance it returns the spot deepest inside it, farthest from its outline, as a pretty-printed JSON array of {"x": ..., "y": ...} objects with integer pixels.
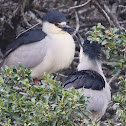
[
  {"x": 122, "y": 22},
  {"x": 114, "y": 7},
  {"x": 61, "y": 75},
  {"x": 123, "y": 11},
  {"x": 82, "y": 5},
  {"x": 113, "y": 78},
  {"x": 77, "y": 23},
  {"x": 121, "y": 6}
]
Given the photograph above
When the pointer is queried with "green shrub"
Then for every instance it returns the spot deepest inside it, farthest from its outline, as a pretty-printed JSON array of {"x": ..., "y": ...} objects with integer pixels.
[
  {"x": 45, "y": 105},
  {"x": 114, "y": 44},
  {"x": 119, "y": 100}
]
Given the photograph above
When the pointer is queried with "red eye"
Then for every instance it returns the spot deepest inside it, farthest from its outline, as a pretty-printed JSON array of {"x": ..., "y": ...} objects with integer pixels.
[{"x": 56, "y": 24}]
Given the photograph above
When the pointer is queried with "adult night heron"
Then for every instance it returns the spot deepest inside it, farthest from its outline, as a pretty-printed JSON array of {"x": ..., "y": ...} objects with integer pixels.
[
  {"x": 43, "y": 51},
  {"x": 91, "y": 77}
]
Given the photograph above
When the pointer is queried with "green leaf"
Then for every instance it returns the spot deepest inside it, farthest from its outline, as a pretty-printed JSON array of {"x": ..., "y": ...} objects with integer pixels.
[
  {"x": 90, "y": 38},
  {"x": 116, "y": 71},
  {"x": 33, "y": 100},
  {"x": 104, "y": 42},
  {"x": 107, "y": 54},
  {"x": 115, "y": 30}
]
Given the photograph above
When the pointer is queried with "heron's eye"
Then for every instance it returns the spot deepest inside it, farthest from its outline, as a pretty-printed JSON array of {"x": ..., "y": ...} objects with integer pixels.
[{"x": 56, "y": 24}]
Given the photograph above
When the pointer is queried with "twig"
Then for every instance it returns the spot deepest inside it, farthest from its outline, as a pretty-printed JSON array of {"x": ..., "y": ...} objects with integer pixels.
[
  {"x": 113, "y": 78},
  {"x": 123, "y": 11},
  {"x": 84, "y": 115},
  {"x": 90, "y": 19},
  {"x": 17, "y": 88},
  {"x": 37, "y": 13},
  {"x": 122, "y": 6},
  {"x": 77, "y": 24},
  {"x": 61, "y": 75},
  {"x": 22, "y": 93},
  {"x": 78, "y": 6},
  {"x": 124, "y": 58},
  {"x": 114, "y": 8},
  {"x": 110, "y": 104},
  {"x": 75, "y": 64},
  {"x": 122, "y": 22},
  {"x": 86, "y": 10},
  {"x": 28, "y": 29}
]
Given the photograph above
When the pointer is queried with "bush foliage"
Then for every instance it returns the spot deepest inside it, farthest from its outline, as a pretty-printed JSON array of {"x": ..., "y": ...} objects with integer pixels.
[
  {"x": 48, "y": 104},
  {"x": 114, "y": 45},
  {"x": 119, "y": 100}
]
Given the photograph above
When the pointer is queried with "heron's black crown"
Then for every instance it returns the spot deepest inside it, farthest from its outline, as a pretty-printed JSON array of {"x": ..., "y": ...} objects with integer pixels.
[
  {"x": 93, "y": 50},
  {"x": 54, "y": 17}
]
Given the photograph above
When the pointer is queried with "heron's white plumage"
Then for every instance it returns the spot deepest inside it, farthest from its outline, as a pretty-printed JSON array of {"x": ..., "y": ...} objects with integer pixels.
[
  {"x": 60, "y": 53},
  {"x": 30, "y": 55},
  {"x": 99, "y": 99}
]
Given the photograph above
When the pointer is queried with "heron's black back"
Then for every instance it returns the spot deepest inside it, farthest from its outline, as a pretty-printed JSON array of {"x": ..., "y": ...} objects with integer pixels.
[
  {"x": 85, "y": 78},
  {"x": 28, "y": 37}
]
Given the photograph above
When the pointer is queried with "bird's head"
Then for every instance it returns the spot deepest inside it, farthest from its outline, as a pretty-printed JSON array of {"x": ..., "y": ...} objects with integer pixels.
[
  {"x": 92, "y": 50},
  {"x": 90, "y": 56},
  {"x": 54, "y": 22}
]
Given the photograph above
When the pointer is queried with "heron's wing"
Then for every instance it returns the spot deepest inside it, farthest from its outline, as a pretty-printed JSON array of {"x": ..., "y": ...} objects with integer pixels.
[
  {"x": 93, "y": 84},
  {"x": 85, "y": 78},
  {"x": 28, "y": 37},
  {"x": 27, "y": 52}
]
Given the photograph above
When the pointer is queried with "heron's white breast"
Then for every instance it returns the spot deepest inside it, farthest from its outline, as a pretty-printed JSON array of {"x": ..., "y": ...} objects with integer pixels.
[
  {"x": 63, "y": 51},
  {"x": 60, "y": 53},
  {"x": 98, "y": 100}
]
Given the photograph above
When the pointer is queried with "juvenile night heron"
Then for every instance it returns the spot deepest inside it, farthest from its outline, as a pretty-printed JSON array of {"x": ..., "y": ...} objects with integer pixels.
[
  {"x": 43, "y": 51},
  {"x": 91, "y": 77}
]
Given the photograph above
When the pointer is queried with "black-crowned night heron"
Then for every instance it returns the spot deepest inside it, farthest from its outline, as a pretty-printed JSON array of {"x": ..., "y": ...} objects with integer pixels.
[
  {"x": 91, "y": 77},
  {"x": 43, "y": 51}
]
